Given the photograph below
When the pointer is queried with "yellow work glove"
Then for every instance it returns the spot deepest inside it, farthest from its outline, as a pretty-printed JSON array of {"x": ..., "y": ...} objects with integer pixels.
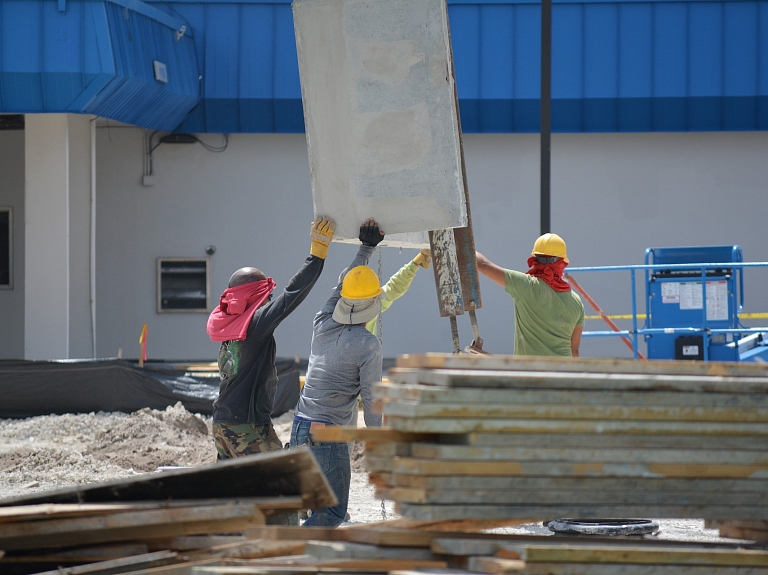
[
  {"x": 321, "y": 233},
  {"x": 423, "y": 259}
]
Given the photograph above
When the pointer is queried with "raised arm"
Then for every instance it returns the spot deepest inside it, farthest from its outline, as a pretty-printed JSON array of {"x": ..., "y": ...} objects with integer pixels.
[{"x": 490, "y": 269}]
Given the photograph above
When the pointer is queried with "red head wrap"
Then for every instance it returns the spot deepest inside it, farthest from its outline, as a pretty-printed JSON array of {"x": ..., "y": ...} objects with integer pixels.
[{"x": 230, "y": 319}]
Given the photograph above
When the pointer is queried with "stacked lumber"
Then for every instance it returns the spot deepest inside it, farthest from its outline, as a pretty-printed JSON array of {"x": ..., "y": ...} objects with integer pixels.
[
  {"x": 384, "y": 548},
  {"x": 191, "y": 516},
  {"x": 473, "y": 437}
]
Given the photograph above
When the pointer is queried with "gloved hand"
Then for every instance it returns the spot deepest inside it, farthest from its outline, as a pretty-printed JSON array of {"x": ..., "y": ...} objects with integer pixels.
[
  {"x": 321, "y": 233},
  {"x": 423, "y": 259},
  {"x": 370, "y": 234}
]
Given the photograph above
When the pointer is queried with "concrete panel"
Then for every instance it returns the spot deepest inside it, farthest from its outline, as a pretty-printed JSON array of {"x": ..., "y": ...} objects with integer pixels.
[
  {"x": 380, "y": 114},
  {"x": 12, "y": 195}
]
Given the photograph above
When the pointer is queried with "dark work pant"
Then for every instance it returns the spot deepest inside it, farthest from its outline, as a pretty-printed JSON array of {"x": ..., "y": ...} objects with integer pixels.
[{"x": 333, "y": 459}]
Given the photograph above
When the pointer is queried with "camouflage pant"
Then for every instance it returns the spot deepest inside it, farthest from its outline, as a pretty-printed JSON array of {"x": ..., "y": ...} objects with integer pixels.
[{"x": 239, "y": 439}]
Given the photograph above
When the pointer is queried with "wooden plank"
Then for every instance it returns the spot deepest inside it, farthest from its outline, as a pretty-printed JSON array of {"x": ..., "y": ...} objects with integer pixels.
[
  {"x": 608, "y": 497},
  {"x": 743, "y": 533},
  {"x": 378, "y": 463},
  {"x": 121, "y": 565},
  {"x": 573, "y": 411},
  {"x": 262, "y": 566},
  {"x": 189, "y": 542},
  {"x": 496, "y": 565},
  {"x": 589, "y": 365},
  {"x": 50, "y": 510},
  {"x": 348, "y": 550},
  {"x": 367, "y": 434},
  {"x": 756, "y": 487},
  {"x": 388, "y": 449},
  {"x": 82, "y": 554},
  {"x": 749, "y": 530},
  {"x": 185, "y": 568},
  {"x": 570, "y": 469},
  {"x": 448, "y": 526},
  {"x": 452, "y": 425},
  {"x": 285, "y": 473},
  {"x": 477, "y": 379},
  {"x": 700, "y": 456},
  {"x": 539, "y": 512},
  {"x": 251, "y": 549},
  {"x": 636, "y": 554},
  {"x": 763, "y": 525},
  {"x": 292, "y": 533},
  {"x": 506, "y": 544},
  {"x": 594, "y": 441},
  {"x": 438, "y": 394},
  {"x": 499, "y": 566},
  {"x": 126, "y": 526}
]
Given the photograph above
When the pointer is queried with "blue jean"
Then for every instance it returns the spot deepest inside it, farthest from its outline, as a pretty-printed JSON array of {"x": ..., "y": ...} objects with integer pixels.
[{"x": 333, "y": 459}]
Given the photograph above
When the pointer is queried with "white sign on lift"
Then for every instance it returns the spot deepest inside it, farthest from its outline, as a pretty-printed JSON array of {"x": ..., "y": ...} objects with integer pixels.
[{"x": 381, "y": 115}]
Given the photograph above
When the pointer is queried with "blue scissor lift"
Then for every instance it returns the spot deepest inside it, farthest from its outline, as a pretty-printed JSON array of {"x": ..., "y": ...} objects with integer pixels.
[{"x": 693, "y": 297}]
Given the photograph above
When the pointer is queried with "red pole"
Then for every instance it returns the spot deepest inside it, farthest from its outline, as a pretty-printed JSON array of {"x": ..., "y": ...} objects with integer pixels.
[{"x": 596, "y": 307}]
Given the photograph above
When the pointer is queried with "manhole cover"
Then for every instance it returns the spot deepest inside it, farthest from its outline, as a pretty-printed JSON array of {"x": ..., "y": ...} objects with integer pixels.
[{"x": 604, "y": 527}]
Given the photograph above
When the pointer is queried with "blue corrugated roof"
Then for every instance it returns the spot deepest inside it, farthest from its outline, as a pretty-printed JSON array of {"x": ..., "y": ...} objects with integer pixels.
[
  {"x": 96, "y": 57},
  {"x": 618, "y": 65}
]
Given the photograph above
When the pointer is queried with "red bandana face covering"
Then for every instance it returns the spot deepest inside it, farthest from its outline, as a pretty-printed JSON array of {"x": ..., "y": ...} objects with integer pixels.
[
  {"x": 550, "y": 273},
  {"x": 229, "y": 321}
]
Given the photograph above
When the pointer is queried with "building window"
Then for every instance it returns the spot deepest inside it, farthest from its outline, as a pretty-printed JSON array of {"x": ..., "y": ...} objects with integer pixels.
[
  {"x": 6, "y": 248},
  {"x": 182, "y": 285}
]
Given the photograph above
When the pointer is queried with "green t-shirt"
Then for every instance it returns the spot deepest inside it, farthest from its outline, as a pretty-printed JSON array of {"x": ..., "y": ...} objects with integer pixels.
[{"x": 544, "y": 318}]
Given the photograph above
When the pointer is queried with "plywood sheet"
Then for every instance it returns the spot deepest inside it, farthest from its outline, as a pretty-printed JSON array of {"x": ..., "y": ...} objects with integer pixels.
[{"x": 380, "y": 114}]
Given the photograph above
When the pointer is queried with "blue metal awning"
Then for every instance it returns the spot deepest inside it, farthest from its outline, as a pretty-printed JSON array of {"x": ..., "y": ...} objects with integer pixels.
[
  {"x": 617, "y": 65},
  {"x": 119, "y": 59}
]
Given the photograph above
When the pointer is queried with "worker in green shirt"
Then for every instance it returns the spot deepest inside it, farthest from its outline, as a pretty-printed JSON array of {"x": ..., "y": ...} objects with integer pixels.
[
  {"x": 549, "y": 316},
  {"x": 399, "y": 283}
]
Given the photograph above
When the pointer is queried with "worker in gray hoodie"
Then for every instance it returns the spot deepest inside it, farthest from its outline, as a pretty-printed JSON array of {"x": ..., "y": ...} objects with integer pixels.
[{"x": 344, "y": 363}]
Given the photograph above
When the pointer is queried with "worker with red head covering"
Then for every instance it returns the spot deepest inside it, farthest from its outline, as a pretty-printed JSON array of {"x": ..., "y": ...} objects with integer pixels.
[
  {"x": 244, "y": 322},
  {"x": 549, "y": 316}
]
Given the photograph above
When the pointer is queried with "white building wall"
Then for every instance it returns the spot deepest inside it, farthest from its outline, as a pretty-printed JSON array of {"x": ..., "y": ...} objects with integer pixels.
[
  {"x": 613, "y": 195},
  {"x": 12, "y": 194}
]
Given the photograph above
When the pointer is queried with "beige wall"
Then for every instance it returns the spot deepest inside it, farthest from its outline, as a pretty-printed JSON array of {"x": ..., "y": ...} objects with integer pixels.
[{"x": 613, "y": 195}]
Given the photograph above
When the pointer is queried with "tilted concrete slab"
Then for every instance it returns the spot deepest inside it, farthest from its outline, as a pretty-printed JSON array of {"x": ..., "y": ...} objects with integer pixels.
[{"x": 381, "y": 116}]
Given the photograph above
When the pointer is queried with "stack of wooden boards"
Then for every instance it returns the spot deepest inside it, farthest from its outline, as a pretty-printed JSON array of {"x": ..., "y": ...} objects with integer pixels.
[
  {"x": 402, "y": 548},
  {"x": 494, "y": 437},
  {"x": 390, "y": 548},
  {"x": 156, "y": 519}
]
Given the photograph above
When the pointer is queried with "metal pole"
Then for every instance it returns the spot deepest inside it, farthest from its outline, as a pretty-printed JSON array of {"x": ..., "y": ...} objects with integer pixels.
[
  {"x": 455, "y": 335},
  {"x": 546, "y": 111}
]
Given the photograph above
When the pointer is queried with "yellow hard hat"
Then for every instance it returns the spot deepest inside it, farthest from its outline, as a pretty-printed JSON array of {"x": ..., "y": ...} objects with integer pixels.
[
  {"x": 550, "y": 245},
  {"x": 360, "y": 282}
]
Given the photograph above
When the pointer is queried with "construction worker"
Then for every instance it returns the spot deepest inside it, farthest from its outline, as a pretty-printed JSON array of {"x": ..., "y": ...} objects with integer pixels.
[
  {"x": 344, "y": 363},
  {"x": 244, "y": 322},
  {"x": 549, "y": 316}
]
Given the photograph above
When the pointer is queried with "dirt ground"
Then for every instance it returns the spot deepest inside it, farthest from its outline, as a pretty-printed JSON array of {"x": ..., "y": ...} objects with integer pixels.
[{"x": 55, "y": 451}]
